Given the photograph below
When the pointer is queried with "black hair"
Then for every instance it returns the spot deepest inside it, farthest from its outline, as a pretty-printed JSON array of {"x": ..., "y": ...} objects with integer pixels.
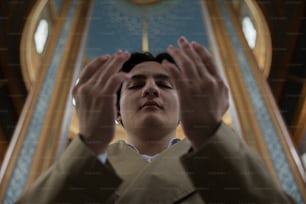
[{"x": 140, "y": 57}]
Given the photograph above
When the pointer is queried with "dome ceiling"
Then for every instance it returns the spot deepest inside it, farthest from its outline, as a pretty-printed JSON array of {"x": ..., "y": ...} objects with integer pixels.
[{"x": 120, "y": 24}]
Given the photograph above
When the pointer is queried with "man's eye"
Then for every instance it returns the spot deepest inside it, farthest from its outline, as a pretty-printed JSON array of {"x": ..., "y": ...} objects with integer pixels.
[
  {"x": 165, "y": 85},
  {"x": 135, "y": 86}
]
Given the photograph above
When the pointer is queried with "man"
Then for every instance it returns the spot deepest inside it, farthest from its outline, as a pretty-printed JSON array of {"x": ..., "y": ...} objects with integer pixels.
[{"x": 212, "y": 165}]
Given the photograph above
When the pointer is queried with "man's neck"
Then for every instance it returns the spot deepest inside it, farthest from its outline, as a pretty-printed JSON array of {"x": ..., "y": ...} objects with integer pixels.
[{"x": 149, "y": 143}]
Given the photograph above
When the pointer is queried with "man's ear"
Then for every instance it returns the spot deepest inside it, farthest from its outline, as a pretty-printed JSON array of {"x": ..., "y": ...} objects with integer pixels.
[{"x": 118, "y": 119}]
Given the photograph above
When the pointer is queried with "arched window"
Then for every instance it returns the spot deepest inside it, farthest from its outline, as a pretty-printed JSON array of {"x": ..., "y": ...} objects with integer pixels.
[
  {"x": 249, "y": 31},
  {"x": 41, "y": 35},
  {"x": 255, "y": 31}
]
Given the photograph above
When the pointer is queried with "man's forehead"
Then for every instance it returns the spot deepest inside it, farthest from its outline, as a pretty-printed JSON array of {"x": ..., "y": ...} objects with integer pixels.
[
  {"x": 159, "y": 76},
  {"x": 148, "y": 69}
]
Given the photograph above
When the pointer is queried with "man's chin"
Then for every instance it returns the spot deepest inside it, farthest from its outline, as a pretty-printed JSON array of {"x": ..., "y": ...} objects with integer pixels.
[{"x": 151, "y": 121}]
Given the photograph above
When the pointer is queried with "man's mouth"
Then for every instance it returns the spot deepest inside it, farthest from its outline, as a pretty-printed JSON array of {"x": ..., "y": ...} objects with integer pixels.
[{"x": 151, "y": 104}]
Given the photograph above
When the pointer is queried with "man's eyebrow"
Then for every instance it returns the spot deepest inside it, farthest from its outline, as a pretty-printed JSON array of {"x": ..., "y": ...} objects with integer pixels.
[
  {"x": 138, "y": 77},
  {"x": 161, "y": 76}
]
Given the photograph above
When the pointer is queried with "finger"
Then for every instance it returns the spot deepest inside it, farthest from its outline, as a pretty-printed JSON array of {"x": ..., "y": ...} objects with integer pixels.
[
  {"x": 207, "y": 59},
  {"x": 113, "y": 67},
  {"x": 89, "y": 75},
  {"x": 183, "y": 62},
  {"x": 119, "y": 59},
  {"x": 101, "y": 69},
  {"x": 190, "y": 53},
  {"x": 114, "y": 82},
  {"x": 175, "y": 75},
  {"x": 89, "y": 72},
  {"x": 91, "y": 68}
]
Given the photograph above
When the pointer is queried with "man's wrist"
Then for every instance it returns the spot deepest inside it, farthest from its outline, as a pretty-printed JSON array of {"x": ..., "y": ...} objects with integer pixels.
[
  {"x": 203, "y": 139},
  {"x": 95, "y": 146}
]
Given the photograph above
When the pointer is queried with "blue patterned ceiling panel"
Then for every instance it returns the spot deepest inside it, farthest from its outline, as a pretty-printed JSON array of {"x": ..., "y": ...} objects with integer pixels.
[{"x": 118, "y": 24}]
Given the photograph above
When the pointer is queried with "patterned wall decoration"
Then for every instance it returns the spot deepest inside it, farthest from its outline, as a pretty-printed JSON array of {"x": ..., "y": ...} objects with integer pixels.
[
  {"x": 270, "y": 136},
  {"x": 26, "y": 155},
  {"x": 118, "y": 24}
]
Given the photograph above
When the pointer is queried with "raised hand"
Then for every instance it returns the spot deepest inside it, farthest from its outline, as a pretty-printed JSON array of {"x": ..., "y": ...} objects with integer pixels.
[
  {"x": 95, "y": 96},
  {"x": 202, "y": 92}
]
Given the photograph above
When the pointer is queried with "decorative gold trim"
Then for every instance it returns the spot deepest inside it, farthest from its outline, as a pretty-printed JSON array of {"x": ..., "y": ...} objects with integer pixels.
[
  {"x": 280, "y": 127},
  {"x": 46, "y": 151},
  {"x": 27, "y": 59},
  {"x": 236, "y": 4},
  {"x": 263, "y": 48},
  {"x": 300, "y": 118},
  {"x": 11, "y": 156},
  {"x": 247, "y": 119},
  {"x": 3, "y": 144},
  {"x": 53, "y": 11},
  {"x": 145, "y": 38},
  {"x": 300, "y": 121}
]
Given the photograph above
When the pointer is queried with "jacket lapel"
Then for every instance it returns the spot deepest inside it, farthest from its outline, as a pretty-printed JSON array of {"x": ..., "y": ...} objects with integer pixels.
[
  {"x": 162, "y": 181},
  {"x": 126, "y": 161}
]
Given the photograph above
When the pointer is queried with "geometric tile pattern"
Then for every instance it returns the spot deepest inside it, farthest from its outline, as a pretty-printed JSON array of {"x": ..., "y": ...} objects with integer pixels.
[
  {"x": 272, "y": 141},
  {"x": 185, "y": 18},
  {"x": 117, "y": 24},
  {"x": 23, "y": 164}
]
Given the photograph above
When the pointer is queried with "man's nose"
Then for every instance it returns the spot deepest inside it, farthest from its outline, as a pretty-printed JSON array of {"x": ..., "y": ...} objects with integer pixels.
[{"x": 150, "y": 89}]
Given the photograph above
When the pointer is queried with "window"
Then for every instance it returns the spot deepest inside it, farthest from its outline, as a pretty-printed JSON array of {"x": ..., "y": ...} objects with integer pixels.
[
  {"x": 249, "y": 31},
  {"x": 41, "y": 35}
]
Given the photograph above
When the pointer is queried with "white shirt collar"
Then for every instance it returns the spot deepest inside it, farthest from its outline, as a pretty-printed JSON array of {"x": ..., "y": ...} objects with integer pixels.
[{"x": 150, "y": 158}]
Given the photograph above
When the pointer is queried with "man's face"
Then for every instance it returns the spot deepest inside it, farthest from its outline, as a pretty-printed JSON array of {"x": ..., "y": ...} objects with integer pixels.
[{"x": 149, "y": 99}]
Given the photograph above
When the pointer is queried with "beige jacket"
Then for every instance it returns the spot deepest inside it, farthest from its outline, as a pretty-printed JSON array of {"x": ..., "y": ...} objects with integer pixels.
[{"x": 224, "y": 170}]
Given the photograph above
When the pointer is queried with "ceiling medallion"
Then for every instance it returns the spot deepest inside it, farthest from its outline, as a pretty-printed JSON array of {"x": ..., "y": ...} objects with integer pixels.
[{"x": 144, "y": 2}]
